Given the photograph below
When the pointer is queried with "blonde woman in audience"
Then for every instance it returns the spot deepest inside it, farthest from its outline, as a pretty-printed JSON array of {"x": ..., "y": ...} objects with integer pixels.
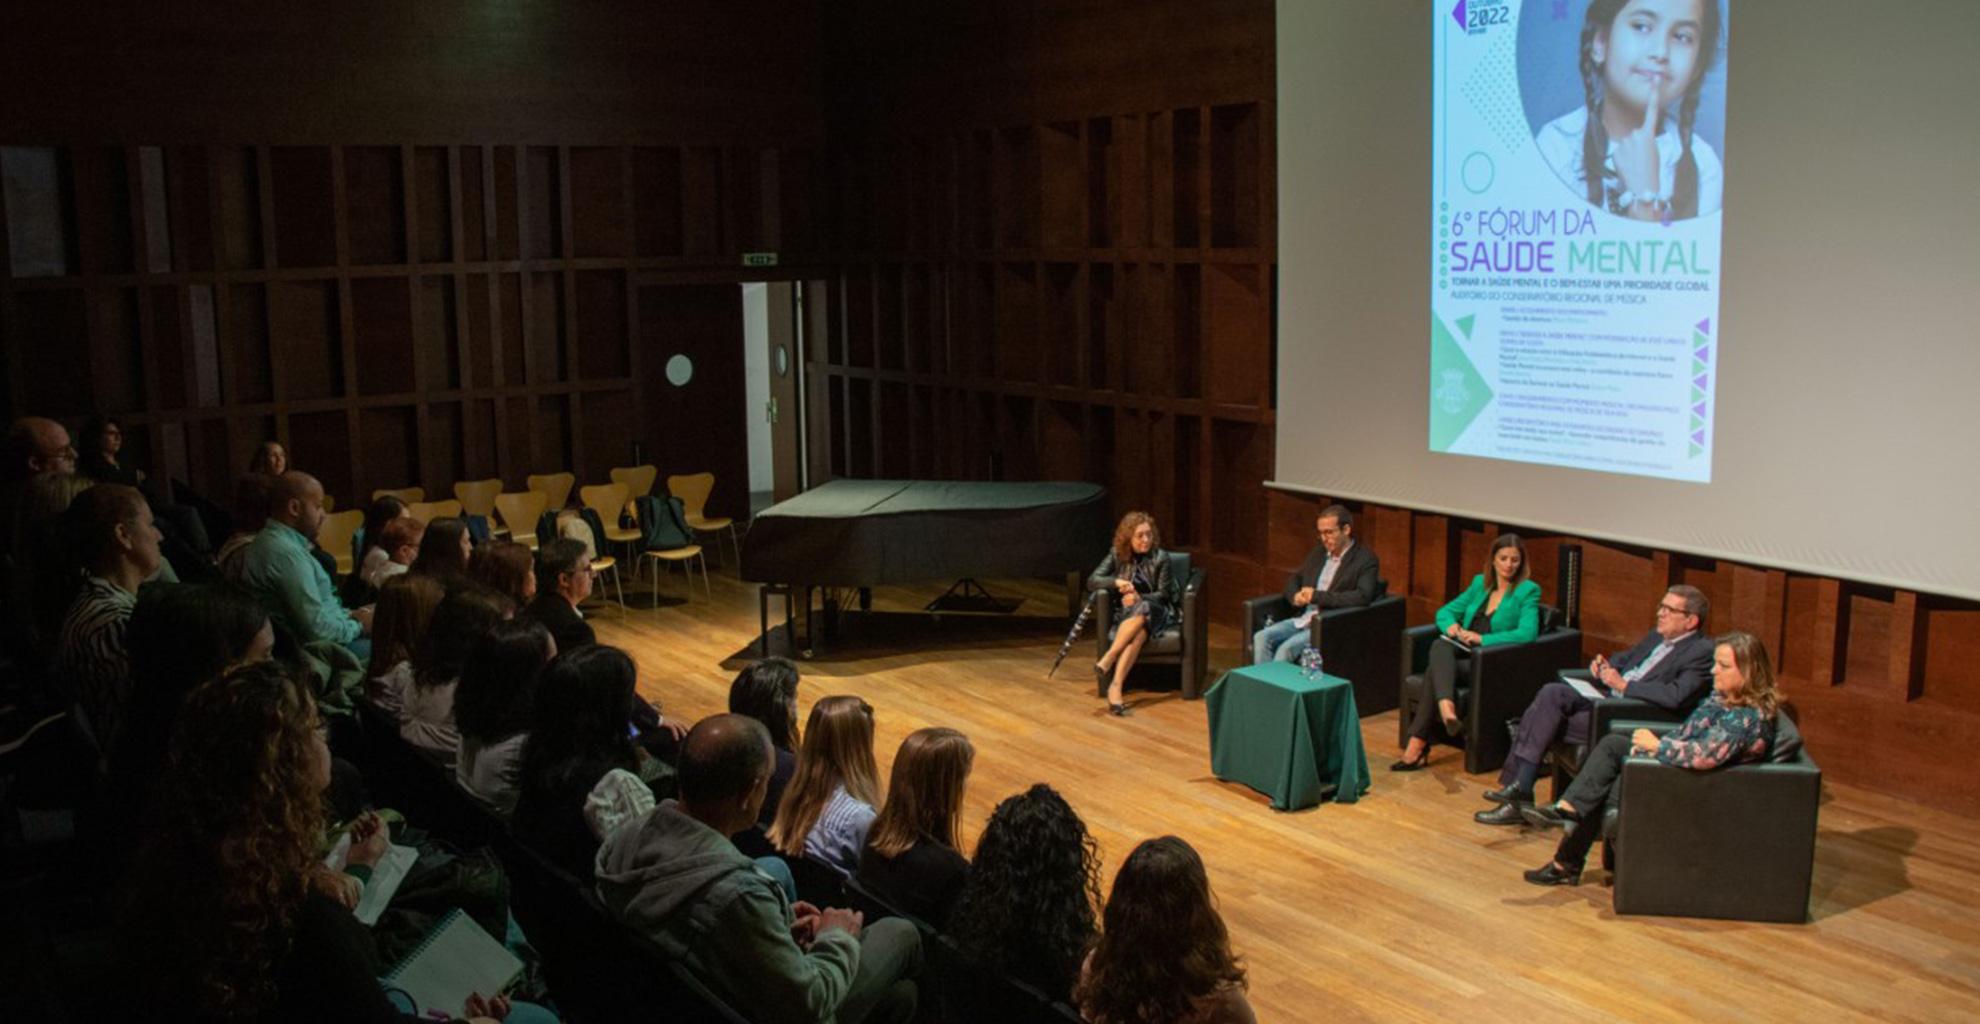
[
  {"x": 913, "y": 859},
  {"x": 828, "y": 808},
  {"x": 405, "y": 610},
  {"x": 1164, "y": 955}
]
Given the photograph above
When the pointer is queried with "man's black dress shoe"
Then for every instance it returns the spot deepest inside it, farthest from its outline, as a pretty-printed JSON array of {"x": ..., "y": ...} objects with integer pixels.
[
  {"x": 1548, "y": 874},
  {"x": 1504, "y": 814},
  {"x": 1550, "y": 816},
  {"x": 1507, "y": 795}
]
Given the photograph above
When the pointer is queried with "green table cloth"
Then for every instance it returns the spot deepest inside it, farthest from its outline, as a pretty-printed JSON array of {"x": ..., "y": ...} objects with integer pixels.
[{"x": 1294, "y": 739}]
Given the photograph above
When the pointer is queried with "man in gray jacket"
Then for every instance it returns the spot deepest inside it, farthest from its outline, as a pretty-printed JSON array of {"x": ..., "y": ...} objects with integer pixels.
[{"x": 674, "y": 874}]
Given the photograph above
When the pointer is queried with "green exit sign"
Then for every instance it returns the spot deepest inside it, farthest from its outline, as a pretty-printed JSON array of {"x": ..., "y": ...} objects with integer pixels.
[{"x": 759, "y": 259}]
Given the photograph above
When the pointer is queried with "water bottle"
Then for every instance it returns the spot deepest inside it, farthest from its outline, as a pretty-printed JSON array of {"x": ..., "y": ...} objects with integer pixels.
[{"x": 1309, "y": 662}]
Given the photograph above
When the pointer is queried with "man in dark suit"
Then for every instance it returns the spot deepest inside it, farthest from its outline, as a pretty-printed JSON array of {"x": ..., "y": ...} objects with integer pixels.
[
  {"x": 1337, "y": 573},
  {"x": 563, "y": 578},
  {"x": 1670, "y": 668}
]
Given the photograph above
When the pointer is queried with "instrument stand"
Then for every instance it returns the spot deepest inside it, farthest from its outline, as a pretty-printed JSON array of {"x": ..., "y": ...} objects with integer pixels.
[{"x": 967, "y": 595}]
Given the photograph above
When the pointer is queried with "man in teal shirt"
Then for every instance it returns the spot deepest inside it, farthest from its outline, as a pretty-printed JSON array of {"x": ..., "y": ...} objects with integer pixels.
[{"x": 277, "y": 568}]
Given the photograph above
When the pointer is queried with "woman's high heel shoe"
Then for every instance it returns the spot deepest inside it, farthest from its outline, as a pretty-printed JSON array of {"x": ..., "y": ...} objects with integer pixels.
[
  {"x": 1117, "y": 710},
  {"x": 1407, "y": 765}
]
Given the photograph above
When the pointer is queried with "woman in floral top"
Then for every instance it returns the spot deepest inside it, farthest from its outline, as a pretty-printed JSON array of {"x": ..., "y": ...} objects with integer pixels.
[{"x": 1734, "y": 724}]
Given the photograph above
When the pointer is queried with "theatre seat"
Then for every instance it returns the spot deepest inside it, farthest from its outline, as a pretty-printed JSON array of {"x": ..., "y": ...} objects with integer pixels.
[
  {"x": 1503, "y": 680},
  {"x": 1735, "y": 843},
  {"x": 1185, "y": 642},
  {"x": 1356, "y": 644}
]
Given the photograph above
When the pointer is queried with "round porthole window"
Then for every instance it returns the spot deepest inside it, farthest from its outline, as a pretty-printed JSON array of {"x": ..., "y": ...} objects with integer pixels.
[
  {"x": 783, "y": 361},
  {"x": 680, "y": 370}
]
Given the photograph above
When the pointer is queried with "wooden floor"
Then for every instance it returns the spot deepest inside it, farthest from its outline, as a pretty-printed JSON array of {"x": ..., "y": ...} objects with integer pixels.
[{"x": 1396, "y": 908}]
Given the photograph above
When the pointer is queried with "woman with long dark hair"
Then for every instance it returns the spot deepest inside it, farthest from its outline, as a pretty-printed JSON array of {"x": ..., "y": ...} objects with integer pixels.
[
  {"x": 1028, "y": 907},
  {"x": 493, "y": 707},
  {"x": 913, "y": 858},
  {"x": 1501, "y": 606},
  {"x": 580, "y": 767},
  {"x": 1164, "y": 956},
  {"x": 373, "y": 554},
  {"x": 460, "y": 625},
  {"x": 828, "y": 808},
  {"x": 767, "y": 691},
  {"x": 506, "y": 567},
  {"x": 444, "y": 550}
]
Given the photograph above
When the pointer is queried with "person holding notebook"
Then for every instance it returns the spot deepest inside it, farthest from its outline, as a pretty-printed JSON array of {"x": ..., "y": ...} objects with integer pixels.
[{"x": 234, "y": 915}]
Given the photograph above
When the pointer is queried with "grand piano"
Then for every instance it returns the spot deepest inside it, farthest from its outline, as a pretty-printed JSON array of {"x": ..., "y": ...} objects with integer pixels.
[{"x": 859, "y": 534}]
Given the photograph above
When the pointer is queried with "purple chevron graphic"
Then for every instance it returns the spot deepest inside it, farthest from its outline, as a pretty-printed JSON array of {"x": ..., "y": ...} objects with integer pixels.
[
  {"x": 1458, "y": 13},
  {"x": 1705, "y": 326},
  {"x": 1700, "y": 381},
  {"x": 1699, "y": 408},
  {"x": 1698, "y": 436},
  {"x": 1704, "y": 354}
]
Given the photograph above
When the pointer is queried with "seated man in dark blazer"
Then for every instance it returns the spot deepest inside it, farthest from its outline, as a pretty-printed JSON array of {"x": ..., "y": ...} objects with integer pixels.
[
  {"x": 1337, "y": 573},
  {"x": 563, "y": 579},
  {"x": 1670, "y": 668}
]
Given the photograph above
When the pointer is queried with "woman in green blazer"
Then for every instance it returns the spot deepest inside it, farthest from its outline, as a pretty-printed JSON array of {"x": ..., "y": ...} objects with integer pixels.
[{"x": 1502, "y": 606}]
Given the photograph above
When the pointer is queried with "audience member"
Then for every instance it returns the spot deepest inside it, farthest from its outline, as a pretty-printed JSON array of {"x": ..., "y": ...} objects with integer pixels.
[
  {"x": 493, "y": 708},
  {"x": 1164, "y": 956},
  {"x": 1667, "y": 668},
  {"x": 270, "y": 459},
  {"x": 580, "y": 775},
  {"x": 1027, "y": 909},
  {"x": 460, "y": 625},
  {"x": 767, "y": 691},
  {"x": 234, "y": 916},
  {"x": 1735, "y": 723},
  {"x": 111, "y": 528},
  {"x": 46, "y": 572},
  {"x": 912, "y": 859},
  {"x": 374, "y": 551},
  {"x": 398, "y": 545},
  {"x": 563, "y": 581},
  {"x": 674, "y": 875},
  {"x": 252, "y": 495},
  {"x": 828, "y": 808},
  {"x": 505, "y": 566},
  {"x": 278, "y": 569},
  {"x": 1337, "y": 573},
  {"x": 101, "y": 457},
  {"x": 444, "y": 550},
  {"x": 399, "y": 630}
]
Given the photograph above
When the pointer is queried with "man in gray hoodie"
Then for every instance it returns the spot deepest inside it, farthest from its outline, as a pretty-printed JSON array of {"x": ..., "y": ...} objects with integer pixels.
[{"x": 674, "y": 874}]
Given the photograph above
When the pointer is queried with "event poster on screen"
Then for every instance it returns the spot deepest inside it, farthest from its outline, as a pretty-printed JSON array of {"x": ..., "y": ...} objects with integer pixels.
[{"x": 1580, "y": 158}]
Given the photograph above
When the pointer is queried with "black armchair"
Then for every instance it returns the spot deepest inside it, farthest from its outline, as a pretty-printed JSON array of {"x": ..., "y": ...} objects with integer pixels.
[
  {"x": 1735, "y": 843},
  {"x": 1603, "y": 714},
  {"x": 1504, "y": 679},
  {"x": 1357, "y": 644},
  {"x": 1185, "y": 642}
]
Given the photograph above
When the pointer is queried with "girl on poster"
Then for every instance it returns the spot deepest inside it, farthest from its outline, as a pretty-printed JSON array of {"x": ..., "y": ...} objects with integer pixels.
[{"x": 1643, "y": 65}]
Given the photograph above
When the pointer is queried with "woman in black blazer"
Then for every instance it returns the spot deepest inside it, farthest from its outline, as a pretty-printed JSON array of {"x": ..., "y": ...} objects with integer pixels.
[{"x": 1138, "y": 571}]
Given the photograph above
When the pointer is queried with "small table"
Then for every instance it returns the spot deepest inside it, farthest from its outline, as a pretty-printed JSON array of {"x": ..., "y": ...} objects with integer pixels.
[{"x": 1294, "y": 739}]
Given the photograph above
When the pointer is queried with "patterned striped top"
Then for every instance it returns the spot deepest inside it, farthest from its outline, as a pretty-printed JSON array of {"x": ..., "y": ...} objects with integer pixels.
[{"x": 90, "y": 659}]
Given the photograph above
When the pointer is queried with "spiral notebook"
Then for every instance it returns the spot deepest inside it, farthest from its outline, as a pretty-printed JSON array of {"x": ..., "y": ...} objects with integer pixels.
[{"x": 455, "y": 959}]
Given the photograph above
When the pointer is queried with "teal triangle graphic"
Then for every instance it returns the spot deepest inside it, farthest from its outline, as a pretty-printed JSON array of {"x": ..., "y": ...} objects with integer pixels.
[
  {"x": 1465, "y": 324},
  {"x": 1458, "y": 393},
  {"x": 1696, "y": 394},
  {"x": 1699, "y": 339},
  {"x": 1697, "y": 421},
  {"x": 1697, "y": 367},
  {"x": 1696, "y": 451}
]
